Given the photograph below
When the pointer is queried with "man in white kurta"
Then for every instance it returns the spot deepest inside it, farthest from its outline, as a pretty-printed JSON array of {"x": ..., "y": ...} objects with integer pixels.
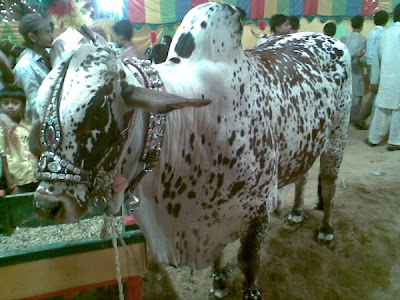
[
  {"x": 385, "y": 77},
  {"x": 357, "y": 46},
  {"x": 380, "y": 19}
]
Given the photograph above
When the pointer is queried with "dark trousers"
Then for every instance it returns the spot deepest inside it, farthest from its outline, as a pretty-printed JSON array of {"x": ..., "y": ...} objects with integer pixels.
[{"x": 27, "y": 188}]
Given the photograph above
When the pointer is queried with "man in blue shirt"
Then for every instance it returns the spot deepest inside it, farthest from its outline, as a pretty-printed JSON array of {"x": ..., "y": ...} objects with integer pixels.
[
  {"x": 34, "y": 63},
  {"x": 380, "y": 19}
]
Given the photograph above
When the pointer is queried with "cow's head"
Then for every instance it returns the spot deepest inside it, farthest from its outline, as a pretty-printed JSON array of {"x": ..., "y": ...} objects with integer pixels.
[{"x": 82, "y": 104}]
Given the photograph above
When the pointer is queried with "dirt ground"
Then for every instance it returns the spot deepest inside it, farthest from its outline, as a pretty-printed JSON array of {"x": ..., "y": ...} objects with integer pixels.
[{"x": 365, "y": 262}]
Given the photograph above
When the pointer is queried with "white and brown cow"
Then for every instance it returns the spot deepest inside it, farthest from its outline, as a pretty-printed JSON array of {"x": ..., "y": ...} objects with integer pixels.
[{"x": 275, "y": 109}]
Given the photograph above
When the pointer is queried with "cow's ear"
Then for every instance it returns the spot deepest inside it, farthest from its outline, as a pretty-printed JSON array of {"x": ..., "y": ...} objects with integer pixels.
[
  {"x": 157, "y": 101},
  {"x": 35, "y": 146}
]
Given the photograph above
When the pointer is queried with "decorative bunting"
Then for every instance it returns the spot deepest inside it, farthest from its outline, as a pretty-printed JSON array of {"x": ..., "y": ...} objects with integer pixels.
[
  {"x": 9, "y": 31},
  {"x": 173, "y": 11},
  {"x": 168, "y": 13}
]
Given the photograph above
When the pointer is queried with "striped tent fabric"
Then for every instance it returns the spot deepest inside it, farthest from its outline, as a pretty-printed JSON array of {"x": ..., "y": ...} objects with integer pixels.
[
  {"x": 172, "y": 11},
  {"x": 9, "y": 31}
]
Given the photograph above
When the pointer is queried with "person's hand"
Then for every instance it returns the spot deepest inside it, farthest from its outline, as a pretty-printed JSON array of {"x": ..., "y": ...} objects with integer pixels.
[
  {"x": 15, "y": 190},
  {"x": 2, "y": 193},
  {"x": 358, "y": 54},
  {"x": 5, "y": 68},
  {"x": 7, "y": 122},
  {"x": 374, "y": 88},
  {"x": 4, "y": 62}
]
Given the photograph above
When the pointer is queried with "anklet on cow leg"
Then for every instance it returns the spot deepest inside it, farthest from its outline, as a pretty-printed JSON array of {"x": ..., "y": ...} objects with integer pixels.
[
  {"x": 220, "y": 288},
  {"x": 326, "y": 235},
  {"x": 295, "y": 218},
  {"x": 252, "y": 294}
]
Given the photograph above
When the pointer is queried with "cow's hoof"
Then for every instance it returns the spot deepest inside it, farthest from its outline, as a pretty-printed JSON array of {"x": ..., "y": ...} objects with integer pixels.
[
  {"x": 216, "y": 294},
  {"x": 252, "y": 294},
  {"x": 326, "y": 236},
  {"x": 295, "y": 219}
]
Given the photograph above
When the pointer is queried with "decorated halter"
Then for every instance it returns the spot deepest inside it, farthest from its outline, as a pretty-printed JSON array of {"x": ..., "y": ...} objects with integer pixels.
[{"x": 53, "y": 167}]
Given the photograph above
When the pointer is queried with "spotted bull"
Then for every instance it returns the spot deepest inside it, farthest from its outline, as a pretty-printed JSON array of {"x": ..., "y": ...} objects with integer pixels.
[{"x": 274, "y": 110}]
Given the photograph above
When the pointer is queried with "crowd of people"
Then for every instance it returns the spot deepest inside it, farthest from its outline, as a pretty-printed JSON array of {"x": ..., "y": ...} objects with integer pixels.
[
  {"x": 21, "y": 78},
  {"x": 379, "y": 55}
]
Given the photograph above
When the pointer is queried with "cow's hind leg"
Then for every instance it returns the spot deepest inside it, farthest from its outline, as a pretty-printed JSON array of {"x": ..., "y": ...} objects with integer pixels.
[
  {"x": 220, "y": 277},
  {"x": 249, "y": 256},
  {"x": 320, "y": 204},
  {"x": 296, "y": 216},
  {"x": 330, "y": 160}
]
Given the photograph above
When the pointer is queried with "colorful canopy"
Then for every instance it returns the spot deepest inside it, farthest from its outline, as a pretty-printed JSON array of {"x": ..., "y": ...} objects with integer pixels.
[
  {"x": 9, "y": 31},
  {"x": 172, "y": 11}
]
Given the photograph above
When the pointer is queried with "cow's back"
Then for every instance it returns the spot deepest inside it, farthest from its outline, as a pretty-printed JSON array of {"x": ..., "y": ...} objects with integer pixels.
[{"x": 309, "y": 80}]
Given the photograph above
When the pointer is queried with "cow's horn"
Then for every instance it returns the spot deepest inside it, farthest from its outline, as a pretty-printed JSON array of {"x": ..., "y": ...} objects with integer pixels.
[
  {"x": 157, "y": 101},
  {"x": 35, "y": 146},
  {"x": 258, "y": 36}
]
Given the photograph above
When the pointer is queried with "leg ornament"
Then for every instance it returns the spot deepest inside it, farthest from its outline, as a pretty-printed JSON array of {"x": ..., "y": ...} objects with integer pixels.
[
  {"x": 326, "y": 236},
  {"x": 252, "y": 294},
  {"x": 220, "y": 289},
  {"x": 295, "y": 219}
]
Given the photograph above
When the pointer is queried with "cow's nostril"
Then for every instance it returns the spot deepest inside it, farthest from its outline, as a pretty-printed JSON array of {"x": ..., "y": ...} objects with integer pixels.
[
  {"x": 56, "y": 210},
  {"x": 48, "y": 209}
]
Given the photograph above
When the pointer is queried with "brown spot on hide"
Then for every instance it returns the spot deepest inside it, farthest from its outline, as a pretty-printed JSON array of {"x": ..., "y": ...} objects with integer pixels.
[{"x": 176, "y": 209}]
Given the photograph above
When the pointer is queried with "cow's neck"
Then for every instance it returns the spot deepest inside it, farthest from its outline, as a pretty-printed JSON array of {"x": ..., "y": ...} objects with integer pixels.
[{"x": 145, "y": 146}]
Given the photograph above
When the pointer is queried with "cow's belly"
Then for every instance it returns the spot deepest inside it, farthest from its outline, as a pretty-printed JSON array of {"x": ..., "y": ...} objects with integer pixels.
[{"x": 289, "y": 171}]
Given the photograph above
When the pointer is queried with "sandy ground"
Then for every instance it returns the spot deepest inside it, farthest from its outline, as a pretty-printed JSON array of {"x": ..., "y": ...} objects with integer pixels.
[{"x": 365, "y": 262}]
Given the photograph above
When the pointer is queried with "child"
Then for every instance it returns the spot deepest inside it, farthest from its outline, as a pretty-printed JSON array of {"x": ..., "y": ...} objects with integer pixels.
[{"x": 19, "y": 164}]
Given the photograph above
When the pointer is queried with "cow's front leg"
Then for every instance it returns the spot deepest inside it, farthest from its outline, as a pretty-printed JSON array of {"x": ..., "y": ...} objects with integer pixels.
[
  {"x": 220, "y": 276},
  {"x": 296, "y": 216},
  {"x": 249, "y": 256}
]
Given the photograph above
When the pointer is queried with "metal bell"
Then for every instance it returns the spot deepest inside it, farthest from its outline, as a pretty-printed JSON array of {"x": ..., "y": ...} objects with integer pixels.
[
  {"x": 100, "y": 202},
  {"x": 132, "y": 201}
]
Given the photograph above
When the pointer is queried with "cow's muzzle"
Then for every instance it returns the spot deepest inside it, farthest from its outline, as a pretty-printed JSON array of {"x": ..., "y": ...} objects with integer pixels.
[
  {"x": 60, "y": 208},
  {"x": 48, "y": 209}
]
